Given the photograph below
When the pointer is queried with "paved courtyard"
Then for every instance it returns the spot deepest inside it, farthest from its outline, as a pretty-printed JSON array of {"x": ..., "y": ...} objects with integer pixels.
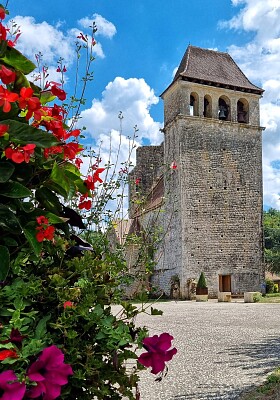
[{"x": 223, "y": 349}]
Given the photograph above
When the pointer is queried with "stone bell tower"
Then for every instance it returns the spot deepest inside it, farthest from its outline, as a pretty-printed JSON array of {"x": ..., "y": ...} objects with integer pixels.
[{"x": 212, "y": 132}]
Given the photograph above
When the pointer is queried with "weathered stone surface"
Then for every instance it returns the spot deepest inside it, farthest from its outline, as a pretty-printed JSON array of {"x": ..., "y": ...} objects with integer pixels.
[{"x": 212, "y": 211}]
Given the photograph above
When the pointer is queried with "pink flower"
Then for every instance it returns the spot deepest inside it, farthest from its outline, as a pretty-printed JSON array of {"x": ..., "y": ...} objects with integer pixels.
[
  {"x": 173, "y": 165},
  {"x": 10, "y": 388},
  {"x": 50, "y": 373},
  {"x": 158, "y": 352}
]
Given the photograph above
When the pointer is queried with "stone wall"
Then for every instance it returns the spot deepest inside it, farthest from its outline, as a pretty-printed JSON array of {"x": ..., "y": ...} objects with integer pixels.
[
  {"x": 149, "y": 167},
  {"x": 220, "y": 185}
]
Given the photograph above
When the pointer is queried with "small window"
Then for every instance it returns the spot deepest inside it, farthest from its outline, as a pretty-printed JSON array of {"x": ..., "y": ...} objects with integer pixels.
[
  {"x": 193, "y": 104},
  {"x": 207, "y": 110}
]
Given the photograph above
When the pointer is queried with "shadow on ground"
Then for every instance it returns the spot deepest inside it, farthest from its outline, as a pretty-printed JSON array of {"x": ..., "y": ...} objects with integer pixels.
[{"x": 264, "y": 356}]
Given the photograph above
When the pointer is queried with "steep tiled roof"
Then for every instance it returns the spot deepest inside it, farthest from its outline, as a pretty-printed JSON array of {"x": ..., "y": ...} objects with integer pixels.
[{"x": 213, "y": 67}]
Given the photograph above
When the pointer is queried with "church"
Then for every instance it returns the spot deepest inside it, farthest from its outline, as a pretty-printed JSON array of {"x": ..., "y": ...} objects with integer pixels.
[{"x": 203, "y": 185}]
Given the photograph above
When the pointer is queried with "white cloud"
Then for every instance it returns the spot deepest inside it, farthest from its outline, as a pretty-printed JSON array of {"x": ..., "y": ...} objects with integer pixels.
[
  {"x": 259, "y": 59},
  {"x": 104, "y": 27},
  {"x": 43, "y": 37},
  {"x": 133, "y": 97},
  {"x": 54, "y": 42}
]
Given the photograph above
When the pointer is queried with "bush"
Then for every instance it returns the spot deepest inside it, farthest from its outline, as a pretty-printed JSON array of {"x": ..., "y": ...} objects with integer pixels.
[
  {"x": 56, "y": 299},
  {"x": 257, "y": 297},
  {"x": 269, "y": 286},
  {"x": 201, "y": 284}
]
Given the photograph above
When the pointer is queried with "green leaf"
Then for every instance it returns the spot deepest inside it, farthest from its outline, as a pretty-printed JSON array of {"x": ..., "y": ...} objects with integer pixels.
[
  {"x": 26, "y": 206},
  {"x": 14, "y": 190},
  {"x": 30, "y": 234},
  {"x": 21, "y": 81},
  {"x": 22, "y": 133},
  {"x": 48, "y": 200},
  {"x": 12, "y": 114},
  {"x": 10, "y": 242},
  {"x": 17, "y": 60},
  {"x": 54, "y": 219},
  {"x": 6, "y": 170},
  {"x": 58, "y": 176},
  {"x": 3, "y": 44},
  {"x": 5, "y": 262},
  {"x": 41, "y": 329},
  {"x": 46, "y": 97},
  {"x": 56, "y": 188},
  {"x": 155, "y": 311},
  {"x": 8, "y": 220}
]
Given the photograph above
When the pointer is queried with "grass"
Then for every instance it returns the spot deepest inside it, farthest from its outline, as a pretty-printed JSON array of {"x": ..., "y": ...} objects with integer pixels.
[
  {"x": 270, "y": 390},
  {"x": 271, "y": 298}
]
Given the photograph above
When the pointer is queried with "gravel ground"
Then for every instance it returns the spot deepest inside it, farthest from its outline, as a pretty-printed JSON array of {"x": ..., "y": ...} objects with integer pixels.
[{"x": 223, "y": 349}]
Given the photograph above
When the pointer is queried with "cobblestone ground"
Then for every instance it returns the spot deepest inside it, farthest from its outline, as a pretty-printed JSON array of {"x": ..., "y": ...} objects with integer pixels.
[{"x": 223, "y": 349}]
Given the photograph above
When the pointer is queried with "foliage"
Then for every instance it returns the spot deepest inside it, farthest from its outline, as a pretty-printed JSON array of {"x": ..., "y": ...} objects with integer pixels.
[
  {"x": 201, "y": 284},
  {"x": 257, "y": 297},
  {"x": 271, "y": 222},
  {"x": 269, "y": 286},
  {"x": 54, "y": 297}
]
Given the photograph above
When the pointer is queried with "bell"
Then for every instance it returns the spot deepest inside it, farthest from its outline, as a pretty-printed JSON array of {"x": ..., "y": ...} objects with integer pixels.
[
  {"x": 222, "y": 114},
  {"x": 241, "y": 116}
]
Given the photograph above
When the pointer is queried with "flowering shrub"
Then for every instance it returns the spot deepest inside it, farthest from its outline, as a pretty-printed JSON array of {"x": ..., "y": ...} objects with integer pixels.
[{"x": 52, "y": 304}]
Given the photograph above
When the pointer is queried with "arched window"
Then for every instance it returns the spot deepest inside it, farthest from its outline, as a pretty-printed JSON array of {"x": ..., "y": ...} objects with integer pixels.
[
  {"x": 224, "y": 108},
  {"x": 194, "y": 104},
  {"x": 207, "y": 108},
  {"x": 243, "y": 111}
]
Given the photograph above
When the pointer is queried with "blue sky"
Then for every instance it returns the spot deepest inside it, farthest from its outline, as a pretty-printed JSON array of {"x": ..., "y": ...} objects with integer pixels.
[{"x": 140, "y": 44}]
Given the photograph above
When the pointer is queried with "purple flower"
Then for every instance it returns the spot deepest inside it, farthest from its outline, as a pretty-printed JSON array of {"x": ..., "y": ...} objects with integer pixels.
[
  {"x": 10, "y": 388},
  {"x": 50, "y": 373},
  {"x": 158, "y": 352}
]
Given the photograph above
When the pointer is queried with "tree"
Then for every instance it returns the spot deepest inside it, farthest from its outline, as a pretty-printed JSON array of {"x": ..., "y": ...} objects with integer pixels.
[{"x": 271, "y": 223}]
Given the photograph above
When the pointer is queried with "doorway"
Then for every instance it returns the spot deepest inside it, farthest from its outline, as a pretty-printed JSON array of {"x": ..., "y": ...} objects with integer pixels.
[{"x": 224, "y": 283}]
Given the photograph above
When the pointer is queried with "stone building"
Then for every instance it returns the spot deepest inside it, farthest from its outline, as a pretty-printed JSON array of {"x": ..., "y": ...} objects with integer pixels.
[{"x": 209, "y": 205}]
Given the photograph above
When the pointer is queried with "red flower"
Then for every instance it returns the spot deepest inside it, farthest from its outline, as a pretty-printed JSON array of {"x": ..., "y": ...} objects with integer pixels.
[
  {"x": 68, "y": 304},
  {"x": 3, "y": 129},
  {"x": 53, "y": 150},
  {"x": 12, "y": 43},
  {"x": 83, "y": 37},
  {"x": 50, "y": 373},
  {"x": 61, "y": 70},
  {"x": 29, "y": 102},
  {"x": 71, "y": 150},
  {"x": 42, "y": 220},
  {"x": 96, "y": 177},
  {"x": 137, "y": 181},
  {"x": 158, "y": 352},
  {"x": 49, "y": 232},
  {"x": 89, "y": 182},
  {"x": 78, "y": 162},
  {"x": 173, "y": 165},
  {"x": 7, "y": 97},
  {"x": 60, "y": 93},
  {"x": 7, "y": 75},
  {"x": 86, "y": 204},
  {"x": 2, "y": 13},
  {"x": 7, "y": 354},
  {"x": 3, "y": 32},
  {"x": 45, "y": 231},
  {"x": 20, "y": 154}
]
